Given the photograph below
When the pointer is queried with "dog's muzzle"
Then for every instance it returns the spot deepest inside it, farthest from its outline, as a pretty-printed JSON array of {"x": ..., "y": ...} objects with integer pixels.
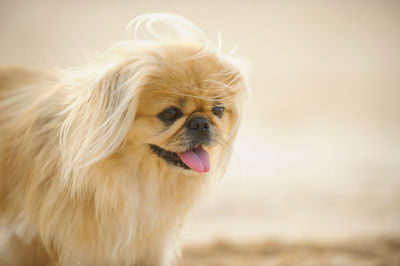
[{"x": 198, "y": 131}]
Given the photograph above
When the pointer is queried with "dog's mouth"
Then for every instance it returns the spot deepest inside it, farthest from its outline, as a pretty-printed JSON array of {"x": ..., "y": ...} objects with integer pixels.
[{"x": 196, "y": 159}]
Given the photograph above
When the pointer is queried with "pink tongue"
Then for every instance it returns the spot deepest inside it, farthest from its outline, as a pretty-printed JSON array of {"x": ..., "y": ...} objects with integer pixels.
[{"x": 197, "y": 159}]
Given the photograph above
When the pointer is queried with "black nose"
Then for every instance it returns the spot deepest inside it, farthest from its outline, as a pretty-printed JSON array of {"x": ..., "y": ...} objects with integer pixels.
[{"x": 199, "y": 124}]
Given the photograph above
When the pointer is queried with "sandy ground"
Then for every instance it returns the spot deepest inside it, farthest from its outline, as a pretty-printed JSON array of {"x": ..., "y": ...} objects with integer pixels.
[
  {"x": 315, "y": 176},
  {"x": 365, "y": 253}
]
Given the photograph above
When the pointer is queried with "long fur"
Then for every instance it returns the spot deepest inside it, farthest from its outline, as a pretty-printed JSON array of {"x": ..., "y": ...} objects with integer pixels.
[{"x": 76, "y": 186}]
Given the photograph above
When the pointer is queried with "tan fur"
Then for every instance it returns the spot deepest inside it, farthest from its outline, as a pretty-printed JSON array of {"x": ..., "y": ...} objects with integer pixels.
[{"x": 78, "y": 182}]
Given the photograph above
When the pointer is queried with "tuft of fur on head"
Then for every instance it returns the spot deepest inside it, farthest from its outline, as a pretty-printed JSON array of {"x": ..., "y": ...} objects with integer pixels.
[{"x": 79, "y": 180}]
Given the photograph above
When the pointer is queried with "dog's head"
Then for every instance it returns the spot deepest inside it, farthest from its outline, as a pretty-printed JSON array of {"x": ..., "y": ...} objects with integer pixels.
[
  {"x": 188, "y": 108},
  {"x": 171, "y": 103}
]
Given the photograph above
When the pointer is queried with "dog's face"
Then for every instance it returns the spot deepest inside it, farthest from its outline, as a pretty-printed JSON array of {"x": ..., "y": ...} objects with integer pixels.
[{"x": 188, "y": 110}]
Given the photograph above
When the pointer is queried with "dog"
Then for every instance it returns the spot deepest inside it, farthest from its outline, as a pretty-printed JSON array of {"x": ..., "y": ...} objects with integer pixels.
[{"x": 99, "y": 165}]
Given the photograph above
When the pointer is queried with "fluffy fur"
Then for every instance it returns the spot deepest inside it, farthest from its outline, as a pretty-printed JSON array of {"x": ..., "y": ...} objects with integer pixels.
[{"x": 78, "y": 181}]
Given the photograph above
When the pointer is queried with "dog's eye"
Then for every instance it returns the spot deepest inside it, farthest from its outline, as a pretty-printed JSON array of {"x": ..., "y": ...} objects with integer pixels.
[
  {"x": 169, "y": 115},
  {"x": 218, "y": 111}
]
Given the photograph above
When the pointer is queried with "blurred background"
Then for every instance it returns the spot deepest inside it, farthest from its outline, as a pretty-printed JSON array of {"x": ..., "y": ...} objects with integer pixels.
[{"x": 315, "y": 176}]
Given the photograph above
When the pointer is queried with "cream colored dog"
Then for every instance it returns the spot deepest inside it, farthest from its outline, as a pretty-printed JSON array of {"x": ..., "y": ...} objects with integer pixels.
[{"x": 100, "y": 164}]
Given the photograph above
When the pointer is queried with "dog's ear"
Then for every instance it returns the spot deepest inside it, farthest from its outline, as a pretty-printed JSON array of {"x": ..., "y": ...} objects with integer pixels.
[{"x": 101, "y": 103}]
